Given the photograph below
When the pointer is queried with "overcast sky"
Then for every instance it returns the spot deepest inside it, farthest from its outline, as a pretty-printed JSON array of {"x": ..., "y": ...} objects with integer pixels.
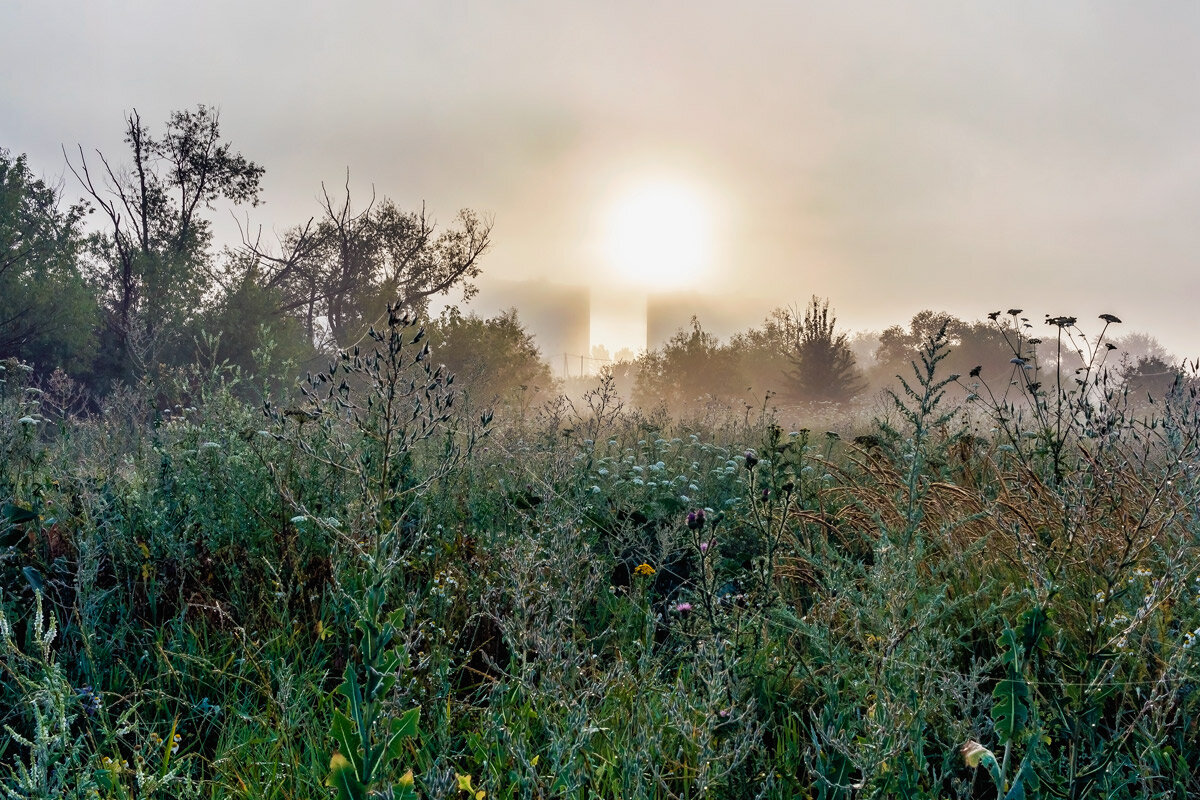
[{"x": 963, "y": 156}]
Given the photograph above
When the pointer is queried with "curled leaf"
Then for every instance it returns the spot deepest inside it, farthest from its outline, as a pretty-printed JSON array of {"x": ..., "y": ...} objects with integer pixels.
[{"x": 974, "y": 753}]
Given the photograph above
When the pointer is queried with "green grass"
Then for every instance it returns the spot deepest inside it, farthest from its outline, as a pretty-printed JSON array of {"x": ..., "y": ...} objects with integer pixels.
[{"x": 1017, "y": 576}]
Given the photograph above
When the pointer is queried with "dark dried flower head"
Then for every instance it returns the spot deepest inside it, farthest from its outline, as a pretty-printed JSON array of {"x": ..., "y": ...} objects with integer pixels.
[
  {"x": 974, "y": 373},
  {"x": 751, "y": 459},
  {"x": 1109, "y": 318}
]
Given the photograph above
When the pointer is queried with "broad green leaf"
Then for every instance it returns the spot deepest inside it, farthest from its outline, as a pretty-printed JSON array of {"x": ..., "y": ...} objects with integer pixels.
[
  {"x": 10, "y": 537},
  {"x": 343, "y": 778},
  {"x": 1009, "y": 649},
  {"x": 348, "y": 740},
  {"x": 1025, "y": 783},
  {"x": 17, "y": 515},
  {"x": 35, "y": 579},
  {"x": 408, "y": 722},
  {"x": 1034, "y": 625},
  {"x": 405, "y": 788},
  {"x": 1010, "y": 709},
  {"x": 975, "y": 754}
]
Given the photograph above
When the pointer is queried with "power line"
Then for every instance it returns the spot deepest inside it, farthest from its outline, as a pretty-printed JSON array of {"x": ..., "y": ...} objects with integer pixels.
[{"x": 569, "y": 359}]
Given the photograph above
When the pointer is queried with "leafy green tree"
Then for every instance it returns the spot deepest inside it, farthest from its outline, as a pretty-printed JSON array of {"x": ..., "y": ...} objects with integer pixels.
[
  {"x": 47, "y": 308},
  {"x": 823, "y": 365},
  {"x": 984, "y": 344},
  {"x": 764, "y": 354},
  {"x": 244, "y": 323},
  {"x": 1139, "y": 345},
  {"x": 1150, "y": 378},
  {"x": 692, "y": 369},
  {"x": 155, "y": 250},
  {"x": 898, "y": 346},
  {"x": 494, "y": 361}
]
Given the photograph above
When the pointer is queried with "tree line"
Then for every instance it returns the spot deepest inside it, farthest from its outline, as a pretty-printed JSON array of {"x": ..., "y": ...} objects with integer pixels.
[
  {"x": 128, "y": 282},
  {"x": 799, "y": 357},
  {"x": 127, "y": 285}
]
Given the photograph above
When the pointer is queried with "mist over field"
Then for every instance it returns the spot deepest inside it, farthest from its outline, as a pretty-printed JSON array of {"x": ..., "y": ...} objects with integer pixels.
[{"x": 555, "y": 400}]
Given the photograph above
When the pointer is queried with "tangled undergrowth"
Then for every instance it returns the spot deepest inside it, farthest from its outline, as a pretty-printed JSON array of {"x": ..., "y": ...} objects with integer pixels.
[{"x": 362, "y": 592}]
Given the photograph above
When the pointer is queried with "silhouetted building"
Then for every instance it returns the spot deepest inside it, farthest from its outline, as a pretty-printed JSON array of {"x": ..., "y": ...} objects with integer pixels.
[{"x": 558, "y": 317}]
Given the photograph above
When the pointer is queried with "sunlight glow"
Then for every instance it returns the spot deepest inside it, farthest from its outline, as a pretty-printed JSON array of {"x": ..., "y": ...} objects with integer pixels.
[{"x": 658, "y": 235}]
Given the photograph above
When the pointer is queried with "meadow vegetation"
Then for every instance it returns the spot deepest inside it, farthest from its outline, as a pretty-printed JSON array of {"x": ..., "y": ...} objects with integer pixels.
[
  {"x": 760, "y": 568},
  {"x": 365, "y": 588}
]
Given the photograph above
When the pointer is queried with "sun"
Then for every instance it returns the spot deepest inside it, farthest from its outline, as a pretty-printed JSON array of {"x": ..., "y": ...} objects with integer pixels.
[{"x": 658, "y": 235}]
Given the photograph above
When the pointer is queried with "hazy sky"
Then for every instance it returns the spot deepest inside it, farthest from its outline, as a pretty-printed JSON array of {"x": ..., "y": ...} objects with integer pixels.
[{"x": 964, "y": 156}]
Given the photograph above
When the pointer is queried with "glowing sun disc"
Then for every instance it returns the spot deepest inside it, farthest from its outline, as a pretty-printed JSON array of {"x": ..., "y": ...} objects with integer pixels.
[{"x": 658, "y": 235}]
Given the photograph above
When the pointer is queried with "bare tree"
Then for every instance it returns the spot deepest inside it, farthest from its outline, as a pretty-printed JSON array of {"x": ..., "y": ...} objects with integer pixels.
[{"x": 342, "y": 270}]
